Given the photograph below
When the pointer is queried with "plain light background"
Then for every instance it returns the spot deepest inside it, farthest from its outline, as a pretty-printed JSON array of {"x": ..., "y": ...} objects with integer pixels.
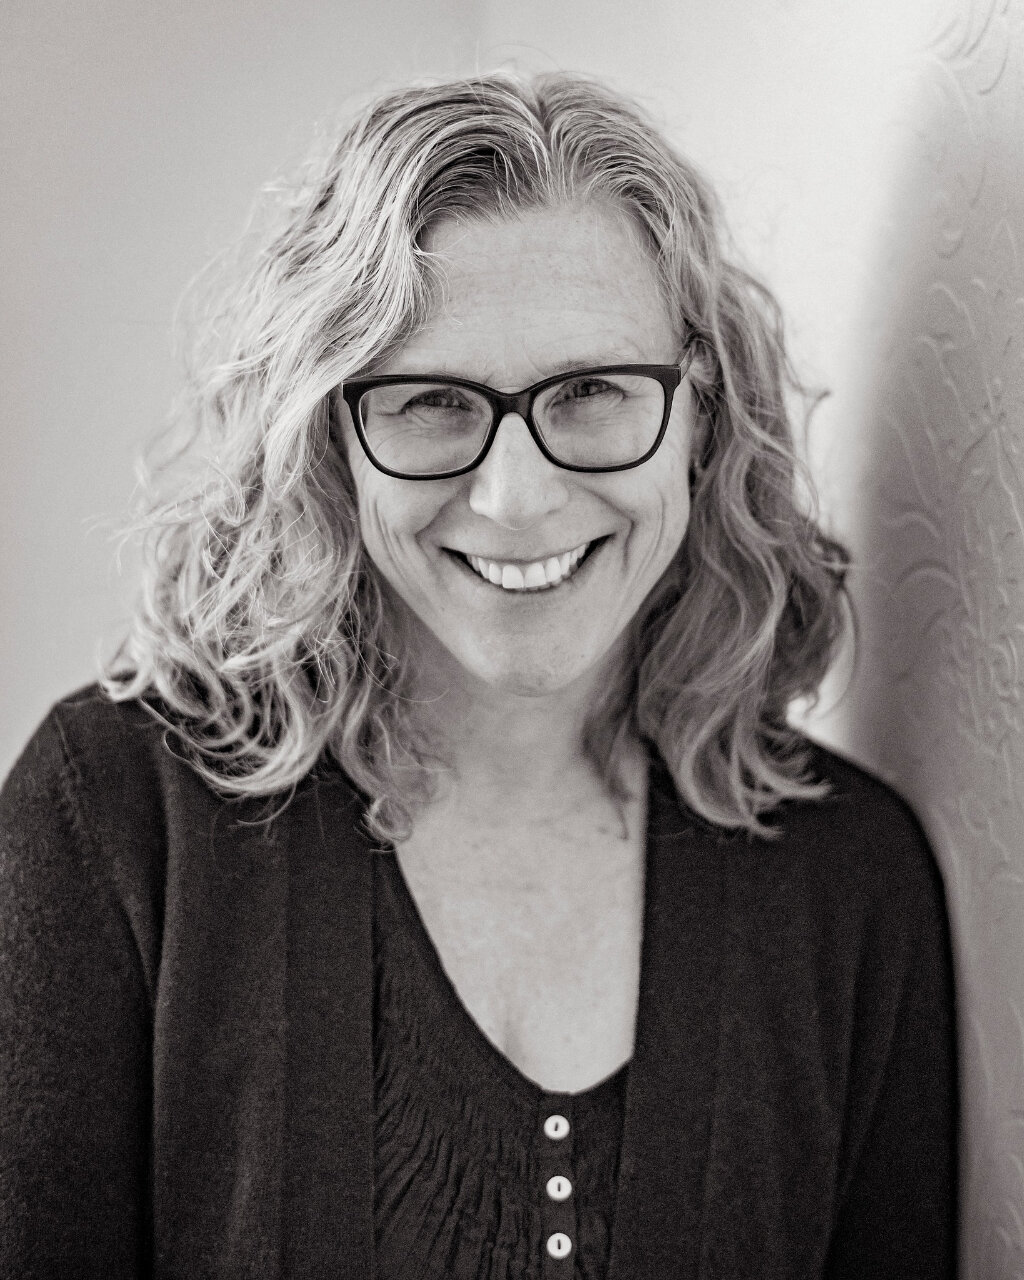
[{"x": 869, "y": 155}]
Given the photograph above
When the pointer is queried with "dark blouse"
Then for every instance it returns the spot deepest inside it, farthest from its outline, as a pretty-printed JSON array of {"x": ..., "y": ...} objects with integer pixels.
[
  {"x": 475, "y": 1179},
  {"x": 187, "y": 1032}
]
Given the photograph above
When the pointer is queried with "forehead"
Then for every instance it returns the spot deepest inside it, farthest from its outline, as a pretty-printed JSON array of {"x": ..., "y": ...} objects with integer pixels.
[{"x": 520, "y": 297}]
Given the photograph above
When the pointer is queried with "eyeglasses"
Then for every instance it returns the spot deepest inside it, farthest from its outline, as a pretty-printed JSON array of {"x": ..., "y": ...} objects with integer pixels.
[{"x": 609, "y": 418}]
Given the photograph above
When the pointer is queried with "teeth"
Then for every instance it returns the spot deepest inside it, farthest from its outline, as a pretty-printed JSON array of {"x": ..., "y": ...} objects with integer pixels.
[{"x": 530, "y": 577}]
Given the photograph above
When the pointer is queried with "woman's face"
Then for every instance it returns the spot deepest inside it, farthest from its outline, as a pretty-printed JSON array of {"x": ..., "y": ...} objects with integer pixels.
[{"x": 552, "y": 290}]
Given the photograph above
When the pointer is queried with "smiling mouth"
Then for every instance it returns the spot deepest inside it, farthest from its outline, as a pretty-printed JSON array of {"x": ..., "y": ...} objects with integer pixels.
[{"x": 538, "y": 575}]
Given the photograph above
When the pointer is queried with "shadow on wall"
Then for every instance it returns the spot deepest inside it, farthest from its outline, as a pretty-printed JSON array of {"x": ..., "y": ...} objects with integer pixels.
[{"x": 937, "y": 703}]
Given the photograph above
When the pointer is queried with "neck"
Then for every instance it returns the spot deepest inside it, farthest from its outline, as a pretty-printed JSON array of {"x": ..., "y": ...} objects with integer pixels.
[
  {"x": 520, "y": 763},
  {"x": 518, "y": 745}
]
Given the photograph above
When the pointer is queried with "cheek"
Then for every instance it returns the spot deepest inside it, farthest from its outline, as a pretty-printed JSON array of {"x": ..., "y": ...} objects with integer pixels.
[
  {"x": 669, "y": 485},
  {"x": 388, "y": 516},
  {"x": 392, "y": 516},
  {"x": 379, "y": 522},
  {"x": 672, "y": 520},
  {"x": 677, "y": 509},
  {"x": 674, "y": 489},
  {"x": 657, "y": 503},
  {"x": 385, "y": 528}
]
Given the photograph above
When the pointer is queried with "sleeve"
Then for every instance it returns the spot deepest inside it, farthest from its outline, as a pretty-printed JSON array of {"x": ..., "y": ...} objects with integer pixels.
[
  {"x": 74, "y": 1039},
  {"x": 898, "y": 1217}
]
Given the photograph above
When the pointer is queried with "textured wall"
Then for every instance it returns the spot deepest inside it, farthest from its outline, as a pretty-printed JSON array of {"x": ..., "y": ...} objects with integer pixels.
[{"x": 938, "y": 700}]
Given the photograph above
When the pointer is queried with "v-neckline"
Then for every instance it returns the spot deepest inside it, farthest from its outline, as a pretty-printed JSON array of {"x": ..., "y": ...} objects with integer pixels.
[
  {"x": 326, "y": 1055},
  {"x": 472, "y": 1035}
]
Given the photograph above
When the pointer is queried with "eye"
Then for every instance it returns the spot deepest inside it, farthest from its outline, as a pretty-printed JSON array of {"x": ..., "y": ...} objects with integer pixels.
[
  {"x": 586, "y": 388},
  {"x": 445, "y": 399}
]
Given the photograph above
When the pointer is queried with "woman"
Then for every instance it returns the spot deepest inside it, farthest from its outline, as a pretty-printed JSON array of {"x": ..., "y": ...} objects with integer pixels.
[{"x": 435, "y": 887}]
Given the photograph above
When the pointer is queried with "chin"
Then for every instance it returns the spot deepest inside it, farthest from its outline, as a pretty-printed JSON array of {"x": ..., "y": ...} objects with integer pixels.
[
  {"x": 522, "y": 678},
  {"x": 527, "y": 684}
]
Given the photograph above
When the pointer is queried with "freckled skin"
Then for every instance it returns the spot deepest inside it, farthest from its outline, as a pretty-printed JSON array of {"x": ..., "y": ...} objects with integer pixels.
[{"x": 523, "y": 299}]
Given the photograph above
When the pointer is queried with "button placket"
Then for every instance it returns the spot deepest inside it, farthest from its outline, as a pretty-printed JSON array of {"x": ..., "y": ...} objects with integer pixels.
[{"x": 556, "y": 1192}]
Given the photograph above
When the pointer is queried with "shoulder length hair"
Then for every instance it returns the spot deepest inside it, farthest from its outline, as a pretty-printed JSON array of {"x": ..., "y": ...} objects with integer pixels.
[{"x": 261, "y": 633}]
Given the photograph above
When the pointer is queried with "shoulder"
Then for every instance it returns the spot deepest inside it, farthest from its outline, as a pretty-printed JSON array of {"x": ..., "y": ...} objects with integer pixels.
[
  {"x": 102, "y": 811},
  {"x": 856, "y": 794},
  {"x": 107, "y": 761},
  {"x": 92, "y": 814},
  {"x": 855, "y": 872},
  {"x": 75, "y": 861},
  {"x": 87, "y": 726},
  {"x": 859, "y": 831},
  {"x": 851, "y": 869},
  {"x": 863, "y": 831}
]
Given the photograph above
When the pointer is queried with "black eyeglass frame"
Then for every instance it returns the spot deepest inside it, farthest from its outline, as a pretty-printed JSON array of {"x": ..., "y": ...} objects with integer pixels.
[{"x": 521, "y": 403}]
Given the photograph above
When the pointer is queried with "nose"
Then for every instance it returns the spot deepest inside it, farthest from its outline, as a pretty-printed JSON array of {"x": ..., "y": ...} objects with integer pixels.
[{"x": 515, "y": 485}]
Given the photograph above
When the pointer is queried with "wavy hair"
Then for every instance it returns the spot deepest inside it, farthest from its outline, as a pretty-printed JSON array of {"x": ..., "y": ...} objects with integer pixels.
[{"x": 261, "y": 633}]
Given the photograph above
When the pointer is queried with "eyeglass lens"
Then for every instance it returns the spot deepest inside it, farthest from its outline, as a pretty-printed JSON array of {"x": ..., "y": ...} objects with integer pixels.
[{"x": 588, "y": 420}]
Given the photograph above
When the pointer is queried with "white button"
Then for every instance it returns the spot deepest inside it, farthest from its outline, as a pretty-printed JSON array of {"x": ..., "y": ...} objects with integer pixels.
[
  {"x": 556, "y": 1127},
  {"x": 559, "y": 1245},
  {"x": 559, "y": 1188}
]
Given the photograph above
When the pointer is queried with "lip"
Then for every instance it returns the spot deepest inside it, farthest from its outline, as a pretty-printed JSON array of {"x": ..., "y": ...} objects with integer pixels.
[
  {"x": 593, "y": 546},
  {"x": 522, "y": 561}
]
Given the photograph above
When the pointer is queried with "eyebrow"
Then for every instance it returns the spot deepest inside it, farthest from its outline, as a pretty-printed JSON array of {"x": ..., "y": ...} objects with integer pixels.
[
  {"x": 598, "y": 361},
  {"x": 595, "y": 362}
]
